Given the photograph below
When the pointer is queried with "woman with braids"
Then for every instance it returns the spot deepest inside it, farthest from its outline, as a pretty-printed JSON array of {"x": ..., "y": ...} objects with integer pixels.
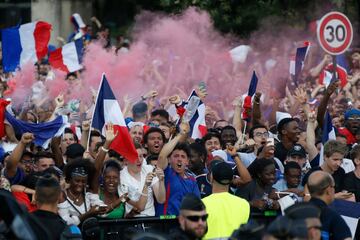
[{"x": 77, "y": 202}]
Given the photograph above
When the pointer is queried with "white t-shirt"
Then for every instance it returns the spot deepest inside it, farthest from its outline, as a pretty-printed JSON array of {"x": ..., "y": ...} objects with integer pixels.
[
  {"x": 134, "y": 189},
  {"x": 71, "y": 215}
]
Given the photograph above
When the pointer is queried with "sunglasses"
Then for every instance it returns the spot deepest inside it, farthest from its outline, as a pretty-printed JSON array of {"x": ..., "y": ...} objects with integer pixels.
[{"x": 196, "y": 218}]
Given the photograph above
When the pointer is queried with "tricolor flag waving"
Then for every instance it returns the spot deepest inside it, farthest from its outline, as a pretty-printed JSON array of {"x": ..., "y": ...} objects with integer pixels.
[
  {"x": 195, "y": 111},
  {"x": 247, "y": 103},
  {"x": 297, "y": 64},
  {"x": 326, "y": 74},
  {"x": 107, "y": 110},
  {"x": 24, "y": 43},
  {"x": 68, "y": 57}
]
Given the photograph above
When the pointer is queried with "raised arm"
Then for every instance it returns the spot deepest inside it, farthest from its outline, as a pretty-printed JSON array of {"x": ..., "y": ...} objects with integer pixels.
[
  {"x": 244, "y": 174},
  {"x": 110, "y": 135},
  {"x": 85, "y": 132},
  {"x": 169, "y": 147},
  {"x": 15, "y": 157},
  {"x": 325, "y": 100},
  {"x": 314, "y": 72}
]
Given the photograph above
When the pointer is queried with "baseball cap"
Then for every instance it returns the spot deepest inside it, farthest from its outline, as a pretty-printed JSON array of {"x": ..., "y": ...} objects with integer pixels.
[
  {"x": 222, "y": 173},
  {"x": 74, "y": 150},
  {"x": 297, "y": 150},
  {"x": 352, "y": 112},
  {"x": 213, "y": 163}
]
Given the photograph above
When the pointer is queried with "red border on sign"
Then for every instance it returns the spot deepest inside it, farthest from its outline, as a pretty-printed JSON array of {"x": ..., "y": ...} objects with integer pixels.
[{"x": 349, "y": 33}]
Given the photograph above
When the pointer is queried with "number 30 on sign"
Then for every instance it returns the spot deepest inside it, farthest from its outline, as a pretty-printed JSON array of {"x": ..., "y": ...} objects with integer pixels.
[{"x": 335, "y": 33}]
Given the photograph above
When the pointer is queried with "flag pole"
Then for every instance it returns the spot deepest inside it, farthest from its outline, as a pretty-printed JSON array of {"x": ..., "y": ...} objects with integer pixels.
[{"x": 92, "y": 116}]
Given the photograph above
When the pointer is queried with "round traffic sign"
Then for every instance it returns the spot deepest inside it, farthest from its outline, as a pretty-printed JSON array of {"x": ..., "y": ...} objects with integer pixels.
[{"x": 335, "y": 33}]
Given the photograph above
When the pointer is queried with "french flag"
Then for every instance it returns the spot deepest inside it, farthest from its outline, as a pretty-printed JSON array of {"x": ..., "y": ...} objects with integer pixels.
[
  {"x": 247, "y": 103},
  {"x": 79, "y": 25},
  {"x": 43, "y": 132},
  {"x": 24, "y": 43},
  {"x": 326, "y": 74},
  {"x": 68, "y": 57},
  {"x": 197, "y": 122},
  {"x": 107, "y": 110},
  {"x": 328, "y": 133},
  {"x": 297, "y": 64}
]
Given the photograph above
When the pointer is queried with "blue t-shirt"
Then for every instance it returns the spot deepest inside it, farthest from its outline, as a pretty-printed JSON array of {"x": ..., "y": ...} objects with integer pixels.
[
  {"x": 17, "y": 178},
  {"x": 176, "y": 188},
  {"x": 204, "y": 185}
]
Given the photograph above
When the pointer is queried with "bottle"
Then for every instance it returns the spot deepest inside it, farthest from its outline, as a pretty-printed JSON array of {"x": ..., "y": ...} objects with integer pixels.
[{"x": 191, "y": 108}]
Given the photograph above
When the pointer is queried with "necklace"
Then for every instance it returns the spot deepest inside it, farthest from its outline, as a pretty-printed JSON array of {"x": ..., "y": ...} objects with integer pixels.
[{"x": 76, "y": 198}]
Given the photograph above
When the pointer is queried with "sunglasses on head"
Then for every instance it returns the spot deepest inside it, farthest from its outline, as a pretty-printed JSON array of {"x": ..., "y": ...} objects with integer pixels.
[{"x": 196, "y": 218}]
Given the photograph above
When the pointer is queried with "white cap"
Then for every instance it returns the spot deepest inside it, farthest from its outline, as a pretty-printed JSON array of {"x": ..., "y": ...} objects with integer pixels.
[
  {"x": 220, "y": 153},
  {"x": 281, "y": 115}
]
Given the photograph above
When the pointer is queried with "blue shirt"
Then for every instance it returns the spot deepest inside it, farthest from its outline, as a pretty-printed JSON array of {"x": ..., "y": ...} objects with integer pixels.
[
  {"x": 17, "y": 178},
  {"x": 176, "y": 188},
  {"x": 204, "y": 185},
  {"x": 333, "y": 225}
]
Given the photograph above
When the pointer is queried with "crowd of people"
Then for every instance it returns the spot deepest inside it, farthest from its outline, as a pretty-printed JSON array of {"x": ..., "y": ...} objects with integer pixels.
[{"x": 277, "y": 160}]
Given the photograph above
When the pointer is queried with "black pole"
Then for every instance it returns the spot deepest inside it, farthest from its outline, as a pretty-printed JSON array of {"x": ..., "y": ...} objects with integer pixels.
[{"x": 334, "y": 76}]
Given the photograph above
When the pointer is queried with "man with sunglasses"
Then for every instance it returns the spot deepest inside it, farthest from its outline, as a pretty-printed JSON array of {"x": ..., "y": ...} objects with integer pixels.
[
  {"x": 321, "y": 186},
  {"x": 192, "y": 219}
]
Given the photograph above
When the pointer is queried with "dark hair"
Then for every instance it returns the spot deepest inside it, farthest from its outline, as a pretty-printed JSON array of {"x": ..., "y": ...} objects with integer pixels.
[
  {"x": 228, "y": 127},
  {"x": 152, "y": 130},
  {"x": 291, "y": 165},
  {"x": 95, "y": 133},
  {"x": 47, "y": 190},
  {"x": 184, "y": 147},
  {"x": 251, "y": 132},
  {"x": 111, "y": 164},
  {"x": 43, "y": 154},
  {"x": 113, "y": 154},
  {"x": 161, "y": 112},
  {"x": 79, "y": 162},
  {"x": 283, "y": 124},
  {"x": 210, "y": 135},
  {"x": 151, "y": 158},
  {"x": 258, "y": 166},
  {"x": 199, "y": 149},
  {"x": 69, "y": 130}
]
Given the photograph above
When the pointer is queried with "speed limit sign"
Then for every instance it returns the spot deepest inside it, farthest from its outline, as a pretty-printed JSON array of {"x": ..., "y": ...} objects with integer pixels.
[{"x": 335, "y": 33}]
